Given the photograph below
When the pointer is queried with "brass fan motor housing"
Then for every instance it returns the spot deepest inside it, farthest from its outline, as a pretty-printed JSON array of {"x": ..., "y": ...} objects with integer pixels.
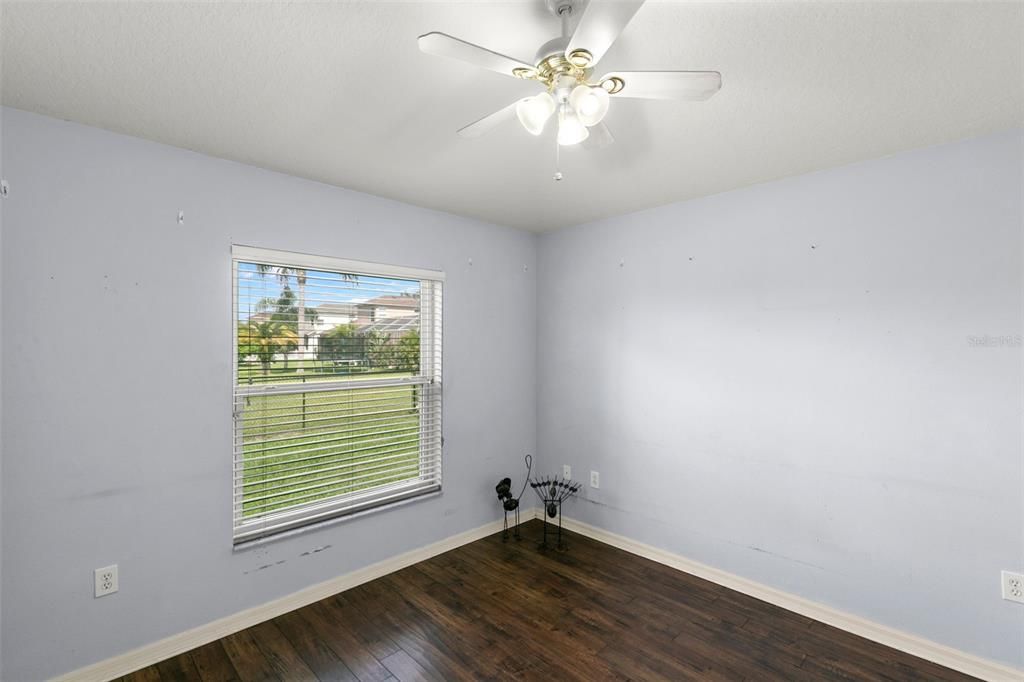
[
  {"x": 577, "y": 66},
  {"x": 550, "y": 69}
]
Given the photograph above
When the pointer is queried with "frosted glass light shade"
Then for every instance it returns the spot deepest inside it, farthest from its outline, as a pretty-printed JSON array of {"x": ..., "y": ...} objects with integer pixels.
[
  {"x": 591, "y": 104},
  {"x": 533, "y": 112},
  {"x": 570, "y": 129}
]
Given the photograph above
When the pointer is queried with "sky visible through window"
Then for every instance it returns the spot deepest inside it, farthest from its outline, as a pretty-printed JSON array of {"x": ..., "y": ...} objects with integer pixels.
[{"x": 255, "y": 287}]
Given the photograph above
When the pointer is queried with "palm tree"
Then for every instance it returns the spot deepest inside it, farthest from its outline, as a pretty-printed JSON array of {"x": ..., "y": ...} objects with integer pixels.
[
  {"x": 283, "y": 274},
  {"x": 285, "y": 311},
  {"x": 265, "y": 340},
  {"x": 303, "y": 316}
]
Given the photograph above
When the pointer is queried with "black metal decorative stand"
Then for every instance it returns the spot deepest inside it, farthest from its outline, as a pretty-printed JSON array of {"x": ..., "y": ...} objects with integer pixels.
[
  {"x": 509, "y": 503},
  {"x": 552, "y": 492}
]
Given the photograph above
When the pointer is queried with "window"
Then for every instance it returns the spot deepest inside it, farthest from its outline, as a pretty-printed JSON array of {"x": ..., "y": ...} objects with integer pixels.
[{"x": 337, "y": 388}]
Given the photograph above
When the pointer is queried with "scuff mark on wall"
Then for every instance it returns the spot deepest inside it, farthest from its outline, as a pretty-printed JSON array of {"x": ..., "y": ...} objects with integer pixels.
[
  {"x": 106, "y": 492},
  {"x": 264, "y": 567},
  {"x": 315, "y": 550},
  {"x": 311, "y": 552},
  {"x": 786, "y": 558}
]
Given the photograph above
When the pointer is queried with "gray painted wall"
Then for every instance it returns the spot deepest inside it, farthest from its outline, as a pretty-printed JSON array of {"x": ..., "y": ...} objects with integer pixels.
[
  {"x": 818, "y": 419},
  {"x": 781, "y": 382},
  {"x": 117, "y": 384}
]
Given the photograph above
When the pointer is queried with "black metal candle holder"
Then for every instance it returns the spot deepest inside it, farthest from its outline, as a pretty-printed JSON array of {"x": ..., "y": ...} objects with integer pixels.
[
  {"x": 509, "y": 503},
  {"x": 553, "y": 492}
]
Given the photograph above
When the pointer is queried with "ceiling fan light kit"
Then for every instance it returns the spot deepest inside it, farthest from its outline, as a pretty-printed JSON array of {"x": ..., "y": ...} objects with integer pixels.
[
  {"x": 571, "y": 129},
  {"x": 534, "y": 112},
  {"x": 564, "y": 66},
  {"x": 590, "y": 103}
]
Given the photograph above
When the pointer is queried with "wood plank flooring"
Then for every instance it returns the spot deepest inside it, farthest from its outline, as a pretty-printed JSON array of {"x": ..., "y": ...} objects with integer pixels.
[{"x": 490, "y": 610}]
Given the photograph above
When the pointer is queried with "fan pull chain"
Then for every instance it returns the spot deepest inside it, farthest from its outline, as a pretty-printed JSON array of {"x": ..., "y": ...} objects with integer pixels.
[{"x": 558, "y": 154}]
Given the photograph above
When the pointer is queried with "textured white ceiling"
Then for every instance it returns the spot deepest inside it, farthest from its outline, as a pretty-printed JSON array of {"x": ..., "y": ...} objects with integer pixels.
[{"x": 339, "y": 92}]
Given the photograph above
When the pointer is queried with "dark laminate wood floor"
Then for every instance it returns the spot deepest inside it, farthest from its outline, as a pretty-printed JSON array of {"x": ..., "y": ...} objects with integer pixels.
[{"x": 490, "y": 611}]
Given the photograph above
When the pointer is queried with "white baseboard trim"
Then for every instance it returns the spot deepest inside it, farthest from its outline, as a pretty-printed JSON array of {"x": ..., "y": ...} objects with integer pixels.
[
  {"x": 149, "y": 654},
  {"x": 891, "y": 637}
]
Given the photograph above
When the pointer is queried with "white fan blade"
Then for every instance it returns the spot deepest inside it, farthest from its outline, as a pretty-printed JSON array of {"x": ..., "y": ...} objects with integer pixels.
[
  {"x": 600, "y": 25},
  {"x": 444, "y": 45},
  {"x": 686, "y": 85},
  {"x": 478, "y": 128},
  {"x": 599, "y": 137}
]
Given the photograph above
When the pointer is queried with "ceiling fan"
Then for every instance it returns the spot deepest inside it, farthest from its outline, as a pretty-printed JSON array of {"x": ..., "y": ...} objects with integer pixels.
[{"x": 564, "y": 66}]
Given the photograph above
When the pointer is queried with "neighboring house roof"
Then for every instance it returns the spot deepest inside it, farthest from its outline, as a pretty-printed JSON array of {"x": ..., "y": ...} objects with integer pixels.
[
  {"x": 259, "y": 318},
  {"x": 412, "y": 301},
  {"x": 347, "y": 309}
]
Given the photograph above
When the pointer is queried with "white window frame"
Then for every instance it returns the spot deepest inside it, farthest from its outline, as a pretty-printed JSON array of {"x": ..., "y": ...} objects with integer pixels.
[{"x": 429, "y": 380}]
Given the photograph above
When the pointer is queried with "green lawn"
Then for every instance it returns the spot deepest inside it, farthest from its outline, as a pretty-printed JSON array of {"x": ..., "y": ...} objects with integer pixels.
[
  {"x": 251, "y": 372},
  {"x": 301, "y": 448}
]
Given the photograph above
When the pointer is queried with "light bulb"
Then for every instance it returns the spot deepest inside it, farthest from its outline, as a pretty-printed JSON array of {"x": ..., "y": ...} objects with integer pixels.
[
  {"x": 591, "y": 104},
  {"x": 533, "y": 112},
  {"x": 570, "y": 129}
]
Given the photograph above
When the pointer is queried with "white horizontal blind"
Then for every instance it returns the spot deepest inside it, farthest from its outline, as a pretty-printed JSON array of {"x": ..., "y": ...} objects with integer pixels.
[{"x": 337, "y": 392}]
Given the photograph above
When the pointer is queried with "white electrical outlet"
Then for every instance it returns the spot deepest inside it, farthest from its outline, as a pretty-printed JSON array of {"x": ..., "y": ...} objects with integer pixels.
[
  {"x": 595, "y": 479},
  {"x": 106, "y": 580},
  {"x": 566, "y": 471},
  {"x": 1013, "y": 586}
]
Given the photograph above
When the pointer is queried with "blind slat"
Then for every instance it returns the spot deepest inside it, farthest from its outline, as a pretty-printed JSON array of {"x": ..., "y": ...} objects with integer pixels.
[
  {"x": 359, "y": 427},
  {"x": 329, "y": 452},
  {"x": 379, "y": 472},
  {"x": 259, "y": 479}
]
